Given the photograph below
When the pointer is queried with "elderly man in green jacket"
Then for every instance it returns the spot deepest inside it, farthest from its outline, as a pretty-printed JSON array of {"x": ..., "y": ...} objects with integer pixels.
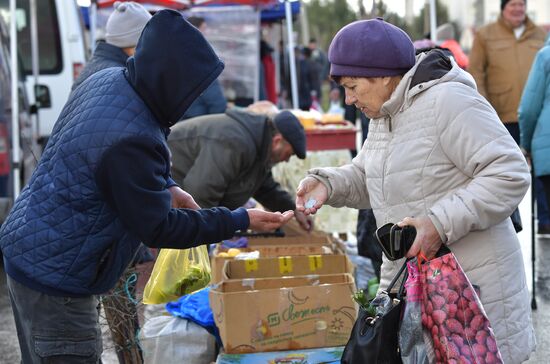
[{"x": 225, "y": 159}]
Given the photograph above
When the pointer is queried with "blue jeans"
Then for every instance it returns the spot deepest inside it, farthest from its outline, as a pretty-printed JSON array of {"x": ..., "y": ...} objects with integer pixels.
[{"x": 53, "y": 329}]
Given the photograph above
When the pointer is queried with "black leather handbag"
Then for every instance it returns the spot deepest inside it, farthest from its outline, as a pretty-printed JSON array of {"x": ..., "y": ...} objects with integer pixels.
[{"x": 374, "y": 338}]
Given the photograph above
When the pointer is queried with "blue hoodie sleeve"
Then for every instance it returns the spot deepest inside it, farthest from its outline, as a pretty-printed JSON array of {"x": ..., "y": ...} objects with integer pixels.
[
  {"x": 131, "y": 177},
  {"x": 170, "y": 182}
]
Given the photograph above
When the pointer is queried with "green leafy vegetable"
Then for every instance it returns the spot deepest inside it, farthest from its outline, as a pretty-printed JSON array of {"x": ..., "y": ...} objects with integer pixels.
[
  {"x": 361, "y": 298},
  {"x": 195, "y": 278}
]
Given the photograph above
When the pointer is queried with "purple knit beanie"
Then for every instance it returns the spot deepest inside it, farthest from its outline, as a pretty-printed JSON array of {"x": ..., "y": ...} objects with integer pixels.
[{"x": 371, "y": 48}]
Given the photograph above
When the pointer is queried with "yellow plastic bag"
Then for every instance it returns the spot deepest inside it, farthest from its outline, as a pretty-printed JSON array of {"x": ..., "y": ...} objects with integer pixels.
[{"x": 177, "y": 272}]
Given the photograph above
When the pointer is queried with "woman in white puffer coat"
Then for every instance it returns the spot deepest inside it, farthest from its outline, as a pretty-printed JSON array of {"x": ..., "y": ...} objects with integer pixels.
[{"x": 438, "y": 158}]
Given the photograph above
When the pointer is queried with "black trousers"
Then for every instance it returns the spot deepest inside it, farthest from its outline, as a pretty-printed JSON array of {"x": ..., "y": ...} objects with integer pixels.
[{"x": 546, "y": 184}]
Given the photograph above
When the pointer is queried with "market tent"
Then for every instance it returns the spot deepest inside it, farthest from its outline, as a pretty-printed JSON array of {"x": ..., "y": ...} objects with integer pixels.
[
  {"x": 96, "y": 4},
  {"x": 277, "y": 11},
  {"x": 186, "y": 4},
  {"x": 172, "y": 4},
  {"x": 270, "y": 9}
]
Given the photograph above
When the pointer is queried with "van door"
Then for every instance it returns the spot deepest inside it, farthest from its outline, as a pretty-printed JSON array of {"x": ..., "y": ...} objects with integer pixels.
[{"x": 62, "y": 54}]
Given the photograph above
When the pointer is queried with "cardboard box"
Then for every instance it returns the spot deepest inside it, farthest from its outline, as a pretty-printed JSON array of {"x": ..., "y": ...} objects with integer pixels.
[
  {"x": 286, "y": 266},
  {"x": 266, "y": 251},
  {"x": 314, "y": 239},
  {"x": 289, "y": 313},
  {"x": 272, "y": 250},
  {"x": 309, "y": 356}
]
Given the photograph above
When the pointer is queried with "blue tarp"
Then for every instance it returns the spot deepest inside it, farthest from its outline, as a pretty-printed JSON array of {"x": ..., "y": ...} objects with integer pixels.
[
  {"x": 277, "y": 12},
  {"x": 84, "y": 10},
  {"x": 196, "y": 307}
]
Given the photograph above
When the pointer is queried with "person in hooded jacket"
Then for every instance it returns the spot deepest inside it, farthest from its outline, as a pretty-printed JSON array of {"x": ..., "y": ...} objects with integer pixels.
[
  {"x": 103, "y": 186},
  {"x": 123, "y": 29},
  {"x": 438, "y": 158}
]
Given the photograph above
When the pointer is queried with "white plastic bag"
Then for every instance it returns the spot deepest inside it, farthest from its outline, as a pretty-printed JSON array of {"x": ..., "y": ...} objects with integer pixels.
[{"x": 169, "y": 339}]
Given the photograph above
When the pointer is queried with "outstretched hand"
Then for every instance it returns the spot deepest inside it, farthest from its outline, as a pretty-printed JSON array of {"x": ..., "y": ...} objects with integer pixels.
[
  {"x": 261, "y": 220},
  {"x": 181, "y": 199},
  {"x": 427, "y": 239},
  {"x": 310, "y": 195}
]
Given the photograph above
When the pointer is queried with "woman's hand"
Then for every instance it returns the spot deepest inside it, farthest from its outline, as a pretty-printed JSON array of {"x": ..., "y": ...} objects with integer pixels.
[
  {"x": 427, "y": 239},
  {"x": 261, "y": 220},
  {"x": 310, "y": 189},
  {"x": 181, "y": 199}
]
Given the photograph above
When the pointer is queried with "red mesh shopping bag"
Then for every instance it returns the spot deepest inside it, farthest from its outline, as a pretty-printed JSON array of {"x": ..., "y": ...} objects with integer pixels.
[{"x": 453, "y": 314}]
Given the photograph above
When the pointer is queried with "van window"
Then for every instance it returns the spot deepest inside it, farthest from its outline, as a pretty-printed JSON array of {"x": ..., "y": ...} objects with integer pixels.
[{"x": 49, "y": 46}]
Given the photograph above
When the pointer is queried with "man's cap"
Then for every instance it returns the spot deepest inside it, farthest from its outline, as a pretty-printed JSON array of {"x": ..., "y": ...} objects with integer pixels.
[
  {"x": 292, "y": 130},
  {"x": 125, "y": 24},
  {"x": 371, "y": 48},
  {"x": 504, "y": 2}
]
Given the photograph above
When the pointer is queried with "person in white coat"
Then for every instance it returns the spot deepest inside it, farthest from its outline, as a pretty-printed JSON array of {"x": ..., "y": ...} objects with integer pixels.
[{"x": 437, "y": 158}]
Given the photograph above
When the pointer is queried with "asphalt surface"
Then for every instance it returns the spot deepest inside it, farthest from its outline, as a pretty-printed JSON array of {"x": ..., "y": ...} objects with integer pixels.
[{"x": 9, "y": 348}]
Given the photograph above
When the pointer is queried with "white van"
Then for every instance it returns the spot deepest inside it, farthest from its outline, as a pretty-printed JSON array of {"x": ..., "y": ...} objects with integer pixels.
[
  {"x": 27, "y": 159},
  {"x": 62, "y": 53}
]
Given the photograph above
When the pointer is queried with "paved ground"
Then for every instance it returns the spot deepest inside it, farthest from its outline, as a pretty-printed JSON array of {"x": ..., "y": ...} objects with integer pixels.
[{"x": 9, "y": 349}]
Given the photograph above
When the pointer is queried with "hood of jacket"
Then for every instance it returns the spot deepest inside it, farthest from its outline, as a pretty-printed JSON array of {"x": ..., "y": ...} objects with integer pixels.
[
  {"x": 431, "y": 68},
  {"x": 173, "y": 64}
]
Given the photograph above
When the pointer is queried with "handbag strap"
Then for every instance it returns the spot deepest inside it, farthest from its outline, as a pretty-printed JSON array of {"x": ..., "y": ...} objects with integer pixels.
[
  {"x": 401, "y": 289},
  {"x": 443, "y": 249}
]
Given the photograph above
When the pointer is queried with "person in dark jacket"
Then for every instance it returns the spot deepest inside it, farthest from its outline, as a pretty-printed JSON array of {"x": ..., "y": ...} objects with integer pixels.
[
  {"x": 123, "y": 29},
  {"x": 212, "y": 100},
  {"x": 225, "y": 159},
  {"x": 103, "y": 186}
]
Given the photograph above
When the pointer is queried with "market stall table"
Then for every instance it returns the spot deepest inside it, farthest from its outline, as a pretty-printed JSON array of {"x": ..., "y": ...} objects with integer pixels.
[{"x": 332, "y": 136}]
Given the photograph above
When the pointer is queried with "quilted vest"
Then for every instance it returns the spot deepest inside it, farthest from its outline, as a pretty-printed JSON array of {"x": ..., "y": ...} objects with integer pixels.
[{"x": 40, "y": 247}]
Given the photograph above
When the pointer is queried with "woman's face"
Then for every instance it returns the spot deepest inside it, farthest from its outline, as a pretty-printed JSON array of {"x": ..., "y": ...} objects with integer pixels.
[{"x": 367, "y": 94}]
